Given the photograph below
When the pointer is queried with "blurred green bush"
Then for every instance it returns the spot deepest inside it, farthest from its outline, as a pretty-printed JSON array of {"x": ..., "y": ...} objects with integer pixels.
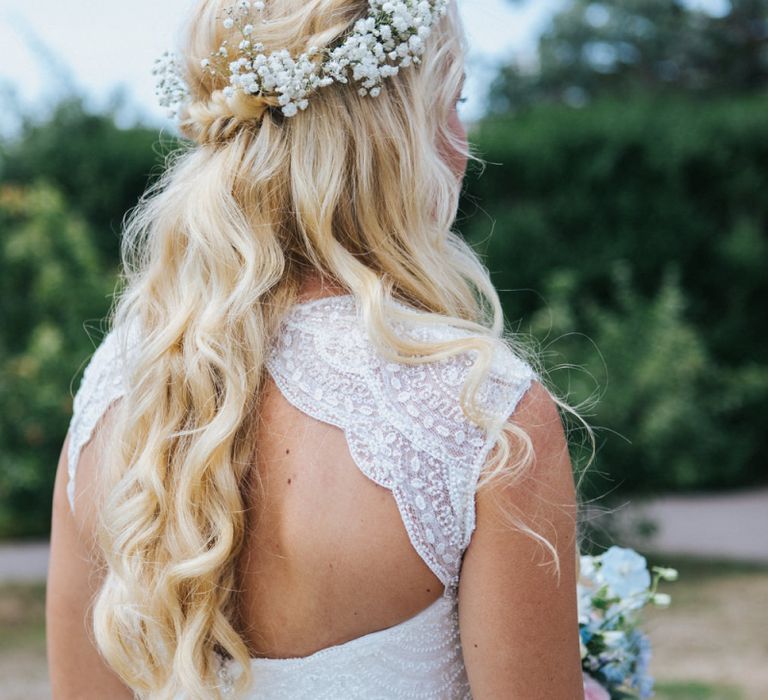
[
  {"x": 65, "y": 184},
  {"x": 629, "y": 240},
  {"x": 52, "y": 286},
  {"x": 99, "y": 167},
  {"x": 630, "y": 237}
]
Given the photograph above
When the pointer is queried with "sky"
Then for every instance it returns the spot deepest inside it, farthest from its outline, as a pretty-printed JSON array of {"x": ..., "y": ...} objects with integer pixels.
[{"x": 98, "y": 46}]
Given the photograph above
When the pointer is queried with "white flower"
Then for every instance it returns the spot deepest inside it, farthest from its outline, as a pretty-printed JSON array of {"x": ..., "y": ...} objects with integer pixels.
[
  {"x": 666, "y": 573},
  {"x": 390, "y": 37},
  {"x": 662, "y": 599},
  {"x": 612, "y": 637}
]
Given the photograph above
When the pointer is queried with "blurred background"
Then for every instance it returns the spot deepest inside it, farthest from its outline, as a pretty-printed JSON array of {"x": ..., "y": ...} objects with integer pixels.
[{"x": 623, "y": 216}]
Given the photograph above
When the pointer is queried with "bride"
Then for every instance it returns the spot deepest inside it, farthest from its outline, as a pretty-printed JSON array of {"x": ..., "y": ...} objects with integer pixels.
[{"x": 308, "y": 461}]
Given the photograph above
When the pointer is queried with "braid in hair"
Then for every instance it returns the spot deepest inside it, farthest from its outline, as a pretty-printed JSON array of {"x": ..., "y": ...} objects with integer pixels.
[{"x": 220, "y": 117}]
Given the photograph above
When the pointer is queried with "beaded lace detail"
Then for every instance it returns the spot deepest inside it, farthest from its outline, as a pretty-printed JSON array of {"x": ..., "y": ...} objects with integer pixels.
[
  {"x": 419, "y": 658},
  {"x": 403, "y": 423},
  {"x": 406, "y": 431}
]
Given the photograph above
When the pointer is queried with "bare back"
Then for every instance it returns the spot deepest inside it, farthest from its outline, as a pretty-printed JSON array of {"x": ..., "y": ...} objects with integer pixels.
[{"x": 327, "y": 557}]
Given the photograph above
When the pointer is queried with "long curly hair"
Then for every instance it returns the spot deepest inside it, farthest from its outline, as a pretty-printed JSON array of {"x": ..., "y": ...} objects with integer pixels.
[{"x": 356, "y": 188}]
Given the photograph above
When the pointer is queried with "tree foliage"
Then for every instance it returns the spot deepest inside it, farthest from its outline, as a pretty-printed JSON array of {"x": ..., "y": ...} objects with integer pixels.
[
  {"x": 52, "y": 288},
  {"x": 647, "y": 46},
  {"x": 630, "y": 238},
  {"x": 66, "y": 182},
  {"x": 100, "y": 168}
]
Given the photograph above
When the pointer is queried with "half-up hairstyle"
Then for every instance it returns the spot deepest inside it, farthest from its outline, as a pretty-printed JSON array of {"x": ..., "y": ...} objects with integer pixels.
[{"x": 356, "y": 188}]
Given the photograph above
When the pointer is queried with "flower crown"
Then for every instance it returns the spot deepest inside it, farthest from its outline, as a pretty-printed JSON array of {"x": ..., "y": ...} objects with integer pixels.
[{"x": 390, "y": 37}]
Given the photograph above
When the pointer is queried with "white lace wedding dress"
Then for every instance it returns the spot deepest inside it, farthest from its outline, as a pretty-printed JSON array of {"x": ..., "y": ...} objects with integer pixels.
[{"x": 406, "y": 432}]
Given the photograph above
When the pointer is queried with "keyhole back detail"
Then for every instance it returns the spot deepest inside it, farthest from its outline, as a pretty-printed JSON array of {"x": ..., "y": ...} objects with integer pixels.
[
  {"x": 369, "y": 470},
  {"x": 326, "y": 558}
]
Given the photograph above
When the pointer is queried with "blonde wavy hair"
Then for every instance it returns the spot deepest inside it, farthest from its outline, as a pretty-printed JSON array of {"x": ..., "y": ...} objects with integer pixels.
[{"x": 356, "y": 188}]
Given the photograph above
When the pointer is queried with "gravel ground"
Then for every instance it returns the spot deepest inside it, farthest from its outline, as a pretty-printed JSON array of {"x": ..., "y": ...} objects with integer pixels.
[{"x": 715, "y": 630}]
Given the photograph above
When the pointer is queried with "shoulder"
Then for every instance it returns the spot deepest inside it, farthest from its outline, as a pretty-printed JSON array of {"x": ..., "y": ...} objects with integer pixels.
[
  {"x": 536, "y": 484},
  {"x": 518, "y": 577}
]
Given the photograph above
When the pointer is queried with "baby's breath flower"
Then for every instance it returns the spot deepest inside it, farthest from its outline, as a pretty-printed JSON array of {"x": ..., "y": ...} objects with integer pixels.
[
  {"x": 390, "y": 37},
  {"x": 170, "y": 89}
]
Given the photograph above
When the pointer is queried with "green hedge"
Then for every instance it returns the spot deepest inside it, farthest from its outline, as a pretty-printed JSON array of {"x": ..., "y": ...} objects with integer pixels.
[
  {"x": 53, "y": 297},
  {"x": 630, "y": 239}
]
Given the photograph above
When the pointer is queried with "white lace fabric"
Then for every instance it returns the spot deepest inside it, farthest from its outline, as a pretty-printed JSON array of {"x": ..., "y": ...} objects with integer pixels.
[
  {"x": 418, "y": 658},
  {"x": 405, "y": 431},
  {"x": 103, "y": 382}
]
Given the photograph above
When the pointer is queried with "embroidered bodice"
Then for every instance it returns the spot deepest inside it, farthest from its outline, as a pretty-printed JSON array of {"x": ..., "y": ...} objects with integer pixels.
[{"x": 406, "y": 431}]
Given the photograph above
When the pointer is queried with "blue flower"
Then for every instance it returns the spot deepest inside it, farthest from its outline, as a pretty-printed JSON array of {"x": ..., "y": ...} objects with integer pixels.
[
  {"x": 625, "y": 571},
  {"x": 615, "y": 671},
  {"x": 641, "y": 679}
]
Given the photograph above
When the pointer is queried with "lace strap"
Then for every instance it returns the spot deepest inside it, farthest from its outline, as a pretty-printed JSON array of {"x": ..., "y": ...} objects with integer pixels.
[
  {"x": 506, "y": 385},
  {"x": 103, "y": 382}
]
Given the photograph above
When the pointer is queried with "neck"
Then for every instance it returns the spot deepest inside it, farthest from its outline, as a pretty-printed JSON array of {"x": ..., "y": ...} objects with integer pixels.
[{"x": 314, "y": 286}]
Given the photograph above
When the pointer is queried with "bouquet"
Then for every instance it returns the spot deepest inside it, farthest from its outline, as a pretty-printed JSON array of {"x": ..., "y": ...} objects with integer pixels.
[{"x": 612, "y": 590}]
